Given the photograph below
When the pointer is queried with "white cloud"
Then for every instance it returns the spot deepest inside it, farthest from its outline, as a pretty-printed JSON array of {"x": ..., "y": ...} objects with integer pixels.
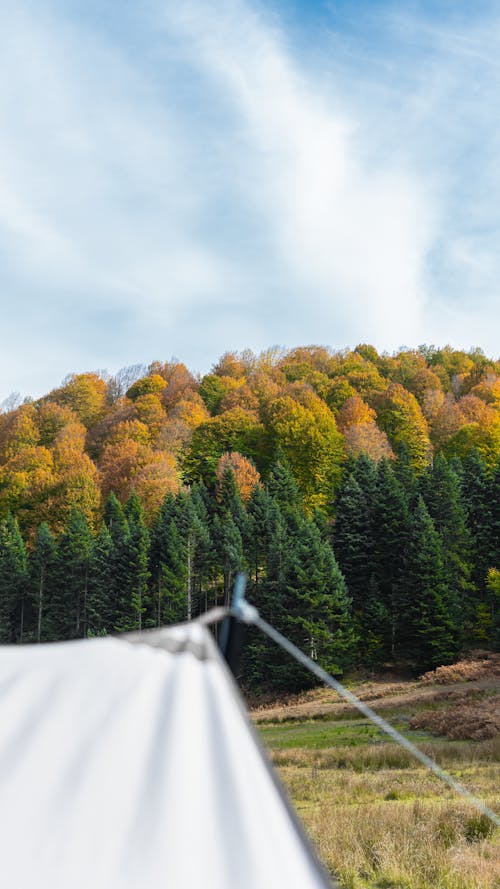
[{"x": 187, "y": 181}]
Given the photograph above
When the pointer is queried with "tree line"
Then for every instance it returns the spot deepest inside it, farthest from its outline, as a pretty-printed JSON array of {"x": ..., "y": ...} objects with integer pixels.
[
  {"x": 403, "y": 567},
  {"x": 153, "y": 430}
]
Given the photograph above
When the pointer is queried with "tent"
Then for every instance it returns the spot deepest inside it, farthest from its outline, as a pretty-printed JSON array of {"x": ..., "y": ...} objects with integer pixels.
[{"x": 129, "y": 763}]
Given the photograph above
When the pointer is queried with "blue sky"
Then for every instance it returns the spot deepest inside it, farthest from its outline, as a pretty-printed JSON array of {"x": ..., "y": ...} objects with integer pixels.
[{"x": 183, "y": 178}]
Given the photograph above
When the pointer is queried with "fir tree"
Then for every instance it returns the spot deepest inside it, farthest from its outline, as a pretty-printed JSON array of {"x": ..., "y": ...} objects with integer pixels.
[
  {"x": 174, "y": 568},
  {"x": 159, "y": 548},
  {"x": 13, "y": 581},
  {"x": 429, "y": 633},
  {"x": 68, "y": 607},
  {"x": 118, "y": 528},
  {"x": 41, "y": 580},
  {"x": 282, "y": 486},
  {"x": 440, "y": 488},
  {"x": 100, "y": 603},
  {"x": 229, "y": 549},
  {"x": 193, "y": 526},
  {"x": 319, "y": 602},
  {"x": 353, "y": 540},
  {"x": 259, "y": 507},
  {"x": 391, "y": 533},
  {"x": 134, "y": 600},
  {"x": 475, "y": 494}
]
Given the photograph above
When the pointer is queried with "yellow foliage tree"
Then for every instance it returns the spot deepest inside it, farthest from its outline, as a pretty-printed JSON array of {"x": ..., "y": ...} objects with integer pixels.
[{"x": 85, "y": 394}]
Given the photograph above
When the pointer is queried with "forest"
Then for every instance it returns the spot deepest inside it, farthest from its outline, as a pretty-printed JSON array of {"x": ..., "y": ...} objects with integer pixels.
[{"x": 359, "y": 491}]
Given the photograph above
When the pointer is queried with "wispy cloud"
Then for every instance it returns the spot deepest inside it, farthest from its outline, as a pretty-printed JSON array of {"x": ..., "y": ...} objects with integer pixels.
[{"x": 189, "y": 178}]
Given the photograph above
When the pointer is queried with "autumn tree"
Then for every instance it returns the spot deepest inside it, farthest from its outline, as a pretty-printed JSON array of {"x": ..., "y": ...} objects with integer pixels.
[
  {"x": 400, "y": 416},
  {"x": 245, "y": 474},
  {"x": 308, "y": 436},
  {"x": 236, "y": 430},
  {"x": 85, "y": 394},
  {"x": 151, "y": 385}
]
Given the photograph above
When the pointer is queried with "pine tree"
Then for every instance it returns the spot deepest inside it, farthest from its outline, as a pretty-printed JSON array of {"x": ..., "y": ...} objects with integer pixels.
[
  {"x": 229, "y": 548},
  {"x": 259, "y": 507},
  {"x": 391, "y": 534},
  {"x": 440, "y": 488},
  {"x": 319, "y": 604},
  {"x": 475, "y": 493},
  {"x": 118, "y": 528},
  {"x": 13, "y": 581},
  {"x": 193, "y": 526},
  {"x": 159, "y": 554},
  {"x": 428, "y": 631},
  {"x": 493, "y": 529},
  {"x": 282, "y": 486},
  {"x": 100, "y": 602},
  {"x": 134, "y": 599},
  {"x": 68, "y": 606},
  {"x": 264, "y": 664},
  {"x": 353, "y": 541},
  {"x": 41, "y": 580},
  {"x": 174, "y": 568}
]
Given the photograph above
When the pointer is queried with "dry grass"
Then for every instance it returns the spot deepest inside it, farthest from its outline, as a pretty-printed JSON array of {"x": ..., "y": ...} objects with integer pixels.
[
  {"x": 378, "y": 819},
  {"x": 479, "y": 665},
  {"x": 371, "y": 757},
  {"x": 482, "y": 679},
  {"x": 478, "y": 721},
  {"x": 406, "y": 846}
]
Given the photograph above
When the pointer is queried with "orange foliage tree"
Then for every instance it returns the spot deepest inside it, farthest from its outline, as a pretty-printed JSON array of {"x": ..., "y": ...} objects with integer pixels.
[{"x": 246, "y": 475}]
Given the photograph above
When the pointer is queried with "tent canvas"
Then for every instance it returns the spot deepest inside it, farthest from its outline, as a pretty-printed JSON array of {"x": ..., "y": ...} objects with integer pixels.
[{"x": 130, "y": 762}]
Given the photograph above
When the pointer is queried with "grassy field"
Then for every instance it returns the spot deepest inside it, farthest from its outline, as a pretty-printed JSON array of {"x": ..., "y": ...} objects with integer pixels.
[{"x": 378, "y": 819}]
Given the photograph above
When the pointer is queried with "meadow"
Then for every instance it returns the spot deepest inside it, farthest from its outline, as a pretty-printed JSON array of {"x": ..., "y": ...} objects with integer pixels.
[{"x": 378, "y": 819}]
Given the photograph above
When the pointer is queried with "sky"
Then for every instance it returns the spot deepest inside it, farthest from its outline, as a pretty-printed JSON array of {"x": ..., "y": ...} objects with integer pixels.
[{"x": 186, "y": 178}]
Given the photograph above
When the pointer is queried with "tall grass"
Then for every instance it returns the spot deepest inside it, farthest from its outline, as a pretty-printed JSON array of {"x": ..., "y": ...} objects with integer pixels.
[
  {"x": 380, "y": 820},
  {"x": 407, "y": 846}
]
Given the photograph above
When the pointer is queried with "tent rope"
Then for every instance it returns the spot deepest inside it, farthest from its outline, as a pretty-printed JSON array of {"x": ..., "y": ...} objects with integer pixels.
[{"x": 248, "y": 614}]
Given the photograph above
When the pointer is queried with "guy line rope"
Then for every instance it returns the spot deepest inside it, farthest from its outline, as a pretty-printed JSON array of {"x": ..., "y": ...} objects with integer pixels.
[{"x": 247, "y": 614}]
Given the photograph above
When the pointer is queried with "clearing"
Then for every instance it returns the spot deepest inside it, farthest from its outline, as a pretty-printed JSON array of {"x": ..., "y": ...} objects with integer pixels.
[{"x": 378, "y": 819}]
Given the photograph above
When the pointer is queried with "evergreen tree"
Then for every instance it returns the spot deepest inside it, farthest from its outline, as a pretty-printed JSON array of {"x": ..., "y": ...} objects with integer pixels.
[
  {"x": 41, "y": 581},
  {"x": 429, "y": 633},
  {"x": 118, "y": 528},
  {"x": 229, "y": 500},
  {"x": 475, "y": 494},
  {"x": 174, "y": 577},
  {"x": 193, "y": 526},
  {"x": 264, "y": 664},
  {"x": 440, "y": 488},
  {"x": 391, "y": 534},
  {"x": 229, "y": 548},
  {"x": 13, "y": 581},
  {"x": 319, "y": 605},
  {"x": 404, "y": 472},
  {"x": 159, "y": 552},
  {"x": 68, "y": 606},
  {"x": 493, "y": 529},
  {"x": 100, "y": 602},
  {"x": 259, "y": 507},
  {"x": 353, "y": 540},
  {"x": 134, "y": 599},
  {"x": 282, "y": 486}
]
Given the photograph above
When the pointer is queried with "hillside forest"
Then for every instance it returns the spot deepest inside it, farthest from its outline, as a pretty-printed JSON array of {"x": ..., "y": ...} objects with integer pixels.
[{"x": 359, "y": 491}]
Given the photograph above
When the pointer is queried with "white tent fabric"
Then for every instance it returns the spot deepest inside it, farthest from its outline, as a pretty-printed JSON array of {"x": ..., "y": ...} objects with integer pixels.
[{"x": 128, "y": 763}]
